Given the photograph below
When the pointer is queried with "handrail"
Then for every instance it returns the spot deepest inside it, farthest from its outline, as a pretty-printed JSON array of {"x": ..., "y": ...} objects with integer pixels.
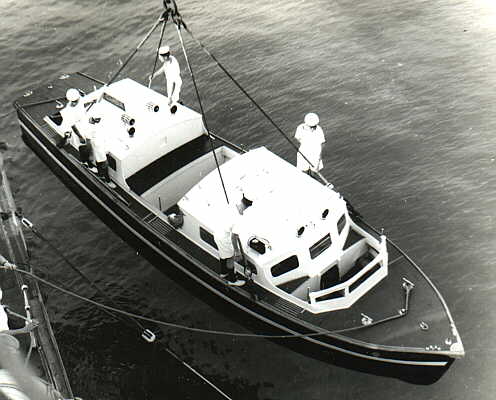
[
  {"x": 229, "y": 143},
  {"x": 348, "y": 283}
]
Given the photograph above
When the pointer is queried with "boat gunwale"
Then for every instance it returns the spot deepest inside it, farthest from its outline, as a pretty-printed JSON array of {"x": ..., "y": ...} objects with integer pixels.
[{"x": 267, "y": 306}]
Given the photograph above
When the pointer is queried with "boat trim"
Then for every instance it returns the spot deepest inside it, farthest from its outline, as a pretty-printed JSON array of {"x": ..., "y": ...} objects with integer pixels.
[{"x": 227, "y": 298}]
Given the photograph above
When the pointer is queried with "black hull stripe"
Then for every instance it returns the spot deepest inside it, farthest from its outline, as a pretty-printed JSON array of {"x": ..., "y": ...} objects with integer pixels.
[{"x": 158, "y": 252}]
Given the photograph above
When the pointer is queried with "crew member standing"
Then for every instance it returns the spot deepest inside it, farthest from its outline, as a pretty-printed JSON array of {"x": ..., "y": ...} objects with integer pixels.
[
  {"x": 73, "y": 119},
  {"x": 99, "y": 147},
  {"x": 311, "y": 139},
  {"x": 172, "y": 72},
  {"x": 71, "y": 114},
  {"x": 224, "y": 237}
]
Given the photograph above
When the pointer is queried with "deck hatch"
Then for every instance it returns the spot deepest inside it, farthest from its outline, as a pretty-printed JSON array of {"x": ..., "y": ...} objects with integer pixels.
[
  {"x": 114, "y": 101},
  {"x": 322, "y": 245}
]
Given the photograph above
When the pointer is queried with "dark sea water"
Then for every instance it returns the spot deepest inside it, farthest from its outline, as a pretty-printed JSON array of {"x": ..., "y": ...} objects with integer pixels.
[{"x": 406, "y": 93}]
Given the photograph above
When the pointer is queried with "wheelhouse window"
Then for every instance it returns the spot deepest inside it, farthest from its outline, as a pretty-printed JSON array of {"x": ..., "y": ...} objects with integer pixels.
[
  {"x": 207, "y": 237},
  {"x": 285, "y": 266},
  {"x": 322, "y": 245},
  {"x": 341, "y": 224}
]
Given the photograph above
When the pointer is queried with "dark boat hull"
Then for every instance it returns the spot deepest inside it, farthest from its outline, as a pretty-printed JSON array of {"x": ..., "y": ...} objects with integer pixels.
[{"x": 131, "y": 222}]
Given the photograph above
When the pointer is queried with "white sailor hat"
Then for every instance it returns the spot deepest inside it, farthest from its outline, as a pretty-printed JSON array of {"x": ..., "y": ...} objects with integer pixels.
[
  {"x": 311, "y": 119},
  {"x": 72, "y": 95},
  {"x": 164, "y": 50}
]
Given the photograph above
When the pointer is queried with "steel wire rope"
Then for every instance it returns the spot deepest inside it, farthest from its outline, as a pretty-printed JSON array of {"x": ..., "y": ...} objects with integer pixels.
[
  {"x": 7, "y": 114},
  {"x": 13, "y": 267},
  {"x": 77, "y": 270},
  {"x": 230, "y": 76},
  {"x": 178, "y": 22},
  {"x": 158, "y": 49}
]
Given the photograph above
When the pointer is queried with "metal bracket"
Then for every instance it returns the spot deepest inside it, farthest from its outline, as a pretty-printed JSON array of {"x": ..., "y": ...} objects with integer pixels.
[
  {"x": 424, "y": 326},
  {"x": 366, "y": 320},
  {"x": 148, "y": 335}
]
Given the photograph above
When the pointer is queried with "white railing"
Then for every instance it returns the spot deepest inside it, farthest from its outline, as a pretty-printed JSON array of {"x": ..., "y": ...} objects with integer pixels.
[{"x": 347, "y": 297}]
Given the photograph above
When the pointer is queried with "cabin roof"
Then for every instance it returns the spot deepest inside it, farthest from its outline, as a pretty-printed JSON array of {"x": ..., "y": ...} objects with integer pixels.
[
  {"x": 284, "y": 199},
  {"x": 156, "y": 133}
]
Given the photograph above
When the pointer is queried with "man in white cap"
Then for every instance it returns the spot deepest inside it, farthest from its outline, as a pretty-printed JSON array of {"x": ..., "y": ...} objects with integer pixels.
[
  {"x": 74, "y": 116},
  {"x": 71, "y": 114},
  {"x": 311, "y": 139},
  {"x": 99, "y": 148},
  {"x": 170, "y": 68}
]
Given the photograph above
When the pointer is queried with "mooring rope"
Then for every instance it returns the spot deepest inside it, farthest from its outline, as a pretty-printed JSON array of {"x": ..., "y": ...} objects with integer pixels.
[
  {"x": 38, "y": 234},
  {"x": 7, "y": 114},
  {"x": 13, "y": 267}
]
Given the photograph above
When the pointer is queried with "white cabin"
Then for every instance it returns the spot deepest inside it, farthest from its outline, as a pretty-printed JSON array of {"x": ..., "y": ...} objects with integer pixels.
[
  {"x": 293, "y": 235},
  {"x": 138, "y": 126},
  {"x": 297, "y": 237}
]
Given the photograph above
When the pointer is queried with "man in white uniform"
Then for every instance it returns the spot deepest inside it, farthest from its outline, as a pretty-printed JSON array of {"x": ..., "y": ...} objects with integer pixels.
[
  {"x": 311, "y": 139},
  {"x": 73, "y": 122},
  {"x": 224, "y": 239},
  {"x": 172, "y": 72},
  {"x": 71, "y": 114},
  {"x": 99, "y": 147}
]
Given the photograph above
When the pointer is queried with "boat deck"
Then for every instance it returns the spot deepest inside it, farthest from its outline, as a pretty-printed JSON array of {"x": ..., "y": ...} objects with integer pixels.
[{"x": 426, "y": 325}]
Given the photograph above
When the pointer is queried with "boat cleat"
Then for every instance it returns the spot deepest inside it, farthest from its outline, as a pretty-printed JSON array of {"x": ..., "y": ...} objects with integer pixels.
[
  {"x": 407, "y": 285},
  {"x": 424, "y": 326},
  {"x": 148, "y": 335},
  {"x": 366, "y": 320}
]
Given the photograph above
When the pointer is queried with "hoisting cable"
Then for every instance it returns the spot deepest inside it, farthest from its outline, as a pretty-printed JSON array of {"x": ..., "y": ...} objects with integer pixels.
[
  {"x": 158, "y": 49},
  {"x": 147, "y": 334},
  {"x": 13, "y": 267},
  {"x": 6, "y": 114},
  {"x": 179, "y": 22},
  {"x": 152, "y": 29},
  {"x": 202, "y": 46},
  {"x": 157, "y": 23}
]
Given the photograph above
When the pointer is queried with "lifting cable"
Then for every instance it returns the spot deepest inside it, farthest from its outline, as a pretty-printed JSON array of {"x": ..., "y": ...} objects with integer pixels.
[
  {"x": 229, "y": 75},
  {"x": 7, "y": 114},
  {"x": 172, "y": 10},
  {"x": 13, "y": 267},
  {"x": 178, "y": 28},
  {"x": 146, "y": 333},
  {"x": 152, "y": 29},
  {"x": 158, "y": 49}
]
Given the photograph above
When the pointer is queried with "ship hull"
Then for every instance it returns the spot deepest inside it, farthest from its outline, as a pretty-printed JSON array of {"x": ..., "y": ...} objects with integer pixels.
[{"x": 183, "y": 259}]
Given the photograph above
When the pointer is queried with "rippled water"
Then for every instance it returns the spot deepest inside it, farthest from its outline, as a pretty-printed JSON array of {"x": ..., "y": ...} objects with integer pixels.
[{"x": 406, "y": 96}]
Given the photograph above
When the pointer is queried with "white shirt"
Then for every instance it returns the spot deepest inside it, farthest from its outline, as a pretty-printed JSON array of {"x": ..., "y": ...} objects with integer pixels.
[
  {"x": 99, "y": 144},
  {"x": 311, "y": 141},
  {"x": 71, "y": 115},
  {"x": 171, "y": 70},
  {"x": 223, "y": 235}
]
